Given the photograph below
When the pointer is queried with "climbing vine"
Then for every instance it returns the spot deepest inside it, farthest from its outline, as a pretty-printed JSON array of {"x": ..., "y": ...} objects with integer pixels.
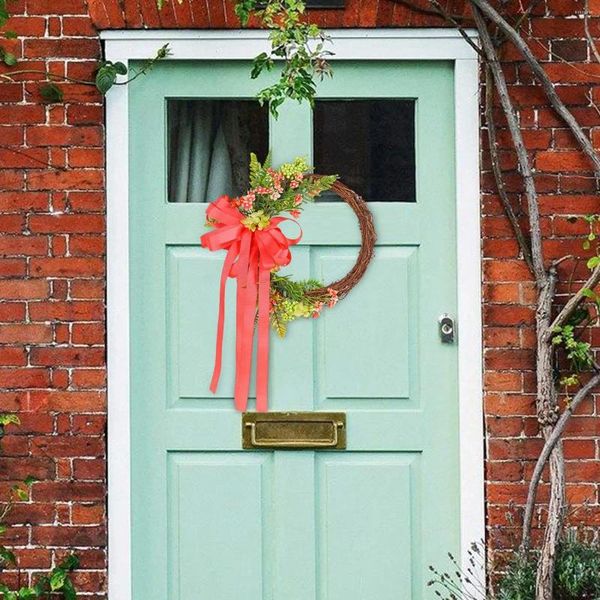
[{"x": 58, "y": 580}]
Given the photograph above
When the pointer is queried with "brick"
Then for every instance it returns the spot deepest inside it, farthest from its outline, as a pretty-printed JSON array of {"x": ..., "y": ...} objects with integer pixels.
[
  {"x": 64, "y": 136},
  {"x": 12, "y": 267},
  {"x": 12, "y": 311},
  {"x": 88, "y": 333},
  {"x": 88, "y": 378},
  {"x": 72, "y": 401},
  {"x": 70, "y": 180},
  {"x": 67, "y": 311},
  {"x": 66, "y": 223},
  {"x": 12, "y": 357},
  {"x": 23, "y": 289},
  {"x": 71, "y": 48},
  {"x": 25, "y": 333},
  {"x": 561, "y": 161},
  {"x": 67, "y": 446},
  {"x": 21, "y": 201},
  {"x": 23, "y": 245},
  {"x": 67, "y": 267},
  {"x": 87, "y": 357},
  {"x": 24, "y": 378}
]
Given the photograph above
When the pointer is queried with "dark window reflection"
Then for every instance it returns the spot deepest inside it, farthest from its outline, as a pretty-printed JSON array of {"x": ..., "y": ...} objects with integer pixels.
[
  {"x": 370, "y": 144},
  {"x": 209, "y": 146}
]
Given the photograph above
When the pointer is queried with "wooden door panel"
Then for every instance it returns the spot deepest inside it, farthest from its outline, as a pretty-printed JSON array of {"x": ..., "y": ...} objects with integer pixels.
[
  {"x": 219, "y": 514},
  {"x": 368, "y": 540}
]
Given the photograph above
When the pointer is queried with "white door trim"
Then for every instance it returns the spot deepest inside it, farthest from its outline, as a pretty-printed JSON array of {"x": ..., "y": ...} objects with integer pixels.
[{"x": 373, "y": 44}]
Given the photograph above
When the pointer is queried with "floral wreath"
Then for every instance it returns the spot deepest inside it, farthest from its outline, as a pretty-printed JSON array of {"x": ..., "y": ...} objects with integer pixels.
[{"x": 247, "y": 227}]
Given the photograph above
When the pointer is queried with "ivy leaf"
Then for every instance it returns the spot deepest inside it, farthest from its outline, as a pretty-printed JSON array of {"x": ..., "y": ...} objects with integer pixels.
[
  {"x": 69, "y": 563},
  {"x": 27, "y": 592},
  {"x": 586, "y": 245},
  {"x": 10, "y": 35},
  {"x": 51, "y": 93},
  {"x": 593, "y": 262},
  {"x": 41, "y": 585},
  {"x": 106, "y": 77},
  {"x": 57, "y": 579},
  {"x": 3, "y": 13},
  {"x": 68, "y": 590},
  {"x": 120, "y": 68},
  {"x": 30, "y": 480},
  {"x": 588, "y": 293},
  {"x": 20, "y": 493},
  {"x": 7, "y": 555},
  {"x": 9, "y": 419},
  {"x": 8, "y": 58}
]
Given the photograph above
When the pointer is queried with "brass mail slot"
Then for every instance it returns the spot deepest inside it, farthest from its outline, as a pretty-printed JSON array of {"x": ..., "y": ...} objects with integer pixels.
[{"x": 294, "y": 430}]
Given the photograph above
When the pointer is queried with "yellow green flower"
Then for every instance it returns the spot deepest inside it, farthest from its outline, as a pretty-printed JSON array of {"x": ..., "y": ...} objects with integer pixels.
[{"x": 256, "y": 220}]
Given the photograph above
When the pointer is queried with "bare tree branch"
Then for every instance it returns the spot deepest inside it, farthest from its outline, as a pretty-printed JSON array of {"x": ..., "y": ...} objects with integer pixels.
[
  {"x": 588, "y": 33},
  {"x": 492, "y": 139},
  {"x": 547, "y": 85},
  {"x": 549, "y": 446},
  {"x": 521, "y": 151}
]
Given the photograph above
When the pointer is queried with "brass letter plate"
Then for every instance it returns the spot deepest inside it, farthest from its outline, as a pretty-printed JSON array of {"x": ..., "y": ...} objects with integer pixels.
[{"x": 294, "y": 430}]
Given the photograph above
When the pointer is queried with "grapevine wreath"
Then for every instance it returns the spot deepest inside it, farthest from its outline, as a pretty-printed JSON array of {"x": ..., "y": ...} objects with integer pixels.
[{"x": 247, "y": 227}]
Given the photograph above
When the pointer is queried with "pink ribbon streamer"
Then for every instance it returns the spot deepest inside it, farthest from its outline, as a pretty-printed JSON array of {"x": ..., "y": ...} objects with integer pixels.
[{"x": 251, "y": 255}]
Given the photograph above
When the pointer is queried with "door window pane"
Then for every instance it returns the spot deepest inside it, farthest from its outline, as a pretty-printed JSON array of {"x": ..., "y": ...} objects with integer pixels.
[
  {"x": 370, "y": 144},
  {"x": 209, "y": 146}
]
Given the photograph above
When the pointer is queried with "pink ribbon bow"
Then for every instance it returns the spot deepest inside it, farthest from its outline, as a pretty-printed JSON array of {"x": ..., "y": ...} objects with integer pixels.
[{"x": 251, "y": 255}]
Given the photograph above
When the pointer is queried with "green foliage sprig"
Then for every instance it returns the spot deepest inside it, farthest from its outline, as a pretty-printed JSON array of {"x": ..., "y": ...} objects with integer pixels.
[
  {"x": 299, "y": 46},
  {"x": 567, "y": 338},
  {"x": 58, "y": 580}
]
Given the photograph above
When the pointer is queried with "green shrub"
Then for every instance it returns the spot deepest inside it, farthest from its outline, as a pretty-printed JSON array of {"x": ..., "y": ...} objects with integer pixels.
[
  {"x": 576, "y": 575},
  {"x": 577, "y": 572}
]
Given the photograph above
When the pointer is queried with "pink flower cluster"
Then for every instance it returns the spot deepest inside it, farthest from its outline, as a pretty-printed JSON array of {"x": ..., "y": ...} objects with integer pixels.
[
  {"x": 247, "y": 201},
  {"x": 333, "y": 297}
]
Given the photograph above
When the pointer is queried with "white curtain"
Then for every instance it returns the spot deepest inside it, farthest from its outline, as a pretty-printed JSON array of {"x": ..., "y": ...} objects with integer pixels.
[{"x": 200, "y": 166}]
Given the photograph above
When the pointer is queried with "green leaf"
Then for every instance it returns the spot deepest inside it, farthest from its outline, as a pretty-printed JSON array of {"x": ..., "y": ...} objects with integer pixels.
[
  {"x": 51, "y": 93},
  {"x": 10, "y": 35},
  {"x": 57, "y": 579},
  {"x": 68, "y": 590},
  {"x": 30, "y": 480},
  {"x": 27, "y": 592},
  {"x": 589, "y": 293},
  {"x": 69, "y": 563},
  {"x": 593, "y": 262},
  {"x": 120, "y": 68},
  {"x": 41, "y": 585},
  {"x": 9, "y": 419},
  {"x": 8, "y": 58},
  {"x": 586, "y": 245},
  {"x": 20, "y": 493},
  {"x": 7, "y": 555},
  {"x": 106, "y": 78}
]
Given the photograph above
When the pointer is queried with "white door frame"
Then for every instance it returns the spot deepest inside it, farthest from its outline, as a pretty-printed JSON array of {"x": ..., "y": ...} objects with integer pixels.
[{"x": 366, "y": 44}]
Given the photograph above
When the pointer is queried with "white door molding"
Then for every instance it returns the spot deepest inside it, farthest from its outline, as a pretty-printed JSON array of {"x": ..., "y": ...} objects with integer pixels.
[{"x": 356, "y": 44}]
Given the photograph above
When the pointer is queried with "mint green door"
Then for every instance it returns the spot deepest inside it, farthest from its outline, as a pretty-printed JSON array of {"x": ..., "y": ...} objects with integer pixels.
[{"x": 214, "y": 522}]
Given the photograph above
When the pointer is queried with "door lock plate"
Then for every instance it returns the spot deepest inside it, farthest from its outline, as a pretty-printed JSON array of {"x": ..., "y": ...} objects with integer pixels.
[
  {"x": 446, "y": 327},
  {"x": 294, "y": 431}
]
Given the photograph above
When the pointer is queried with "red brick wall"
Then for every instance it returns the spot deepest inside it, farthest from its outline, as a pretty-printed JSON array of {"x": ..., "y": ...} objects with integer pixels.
[{"x": 52, "y": 354}]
